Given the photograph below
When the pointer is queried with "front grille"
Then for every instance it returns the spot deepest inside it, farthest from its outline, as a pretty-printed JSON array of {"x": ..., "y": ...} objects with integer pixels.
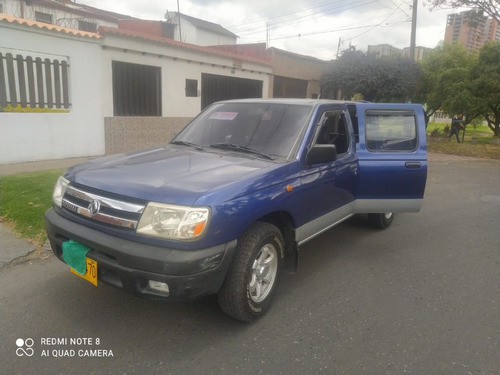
[{"x": 98, "y": 206}]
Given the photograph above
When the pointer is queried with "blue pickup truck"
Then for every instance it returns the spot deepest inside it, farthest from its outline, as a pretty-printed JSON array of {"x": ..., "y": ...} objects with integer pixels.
[{"x": 224, "y": 207}]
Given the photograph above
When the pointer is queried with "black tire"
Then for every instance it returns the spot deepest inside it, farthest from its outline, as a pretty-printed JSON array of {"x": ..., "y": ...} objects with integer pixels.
[
  {"x": 253, "y": 278},
  {"x": 381, "y": 221}
]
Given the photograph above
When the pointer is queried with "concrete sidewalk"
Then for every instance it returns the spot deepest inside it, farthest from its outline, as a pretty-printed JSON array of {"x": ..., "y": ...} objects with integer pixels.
[
  {"x": 10, "y": 169},
  {"x": 12, "y": 247}
]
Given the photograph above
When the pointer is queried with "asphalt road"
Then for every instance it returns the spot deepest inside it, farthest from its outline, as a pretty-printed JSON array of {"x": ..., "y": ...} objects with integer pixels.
[{"x": 422, "y": 297}]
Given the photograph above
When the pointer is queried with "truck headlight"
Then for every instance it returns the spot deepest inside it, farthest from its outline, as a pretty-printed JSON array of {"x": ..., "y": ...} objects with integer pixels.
[
  {"x": 173, "y": 222},
  {"x": 59, "y": 189}
]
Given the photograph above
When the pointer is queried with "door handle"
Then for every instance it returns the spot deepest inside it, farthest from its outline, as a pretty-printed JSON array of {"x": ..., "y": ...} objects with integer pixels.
[
  {"x": 412, "y": 164},
  {"x": 354, "y": 168}
]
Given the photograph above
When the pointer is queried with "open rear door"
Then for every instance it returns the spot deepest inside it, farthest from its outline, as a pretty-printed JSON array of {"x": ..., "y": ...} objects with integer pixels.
[{"x": 392, "y": 154}]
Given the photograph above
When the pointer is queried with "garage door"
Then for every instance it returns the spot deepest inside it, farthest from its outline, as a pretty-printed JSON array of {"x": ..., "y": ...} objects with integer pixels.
[{"x": 215, "y": 88}]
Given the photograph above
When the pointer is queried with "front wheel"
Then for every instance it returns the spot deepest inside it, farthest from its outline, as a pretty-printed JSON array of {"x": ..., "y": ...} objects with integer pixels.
[
  {"x": 253, "y": 277},
  {"x": 381, "y": 221}
]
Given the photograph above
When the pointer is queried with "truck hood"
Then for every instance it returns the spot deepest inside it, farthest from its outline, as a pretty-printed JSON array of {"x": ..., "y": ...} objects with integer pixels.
[{"x": 173, "y": 174}]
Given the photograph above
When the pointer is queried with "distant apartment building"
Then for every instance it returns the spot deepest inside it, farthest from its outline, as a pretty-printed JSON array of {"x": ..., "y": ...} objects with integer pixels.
[
  {"x": 471, "y": 29},
  {"x": 420, "y": 52},
  {"x": 380, "y": 50}
]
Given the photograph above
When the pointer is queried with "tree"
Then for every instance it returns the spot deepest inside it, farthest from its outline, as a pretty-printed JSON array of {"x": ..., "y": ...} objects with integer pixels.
[
  {"x": 456, "y": 82},
  {"x": 335, "y": 81},
  {"x": 442, "y": 83},
  {"x": 485, "y": 85},
  {"x": 386, "y": 79},
  {"x": 457, "y": 96},
  {"x": 490, "y": 7}
]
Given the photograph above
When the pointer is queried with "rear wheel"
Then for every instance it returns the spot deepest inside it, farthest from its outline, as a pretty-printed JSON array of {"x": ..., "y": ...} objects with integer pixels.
[
  {"x": 253, "y": 277},
  {"x": 381, "y": 221}
]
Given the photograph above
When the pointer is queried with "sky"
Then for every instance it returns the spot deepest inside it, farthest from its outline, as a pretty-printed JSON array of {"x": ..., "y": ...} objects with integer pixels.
[{"x": 317, "y": 28}]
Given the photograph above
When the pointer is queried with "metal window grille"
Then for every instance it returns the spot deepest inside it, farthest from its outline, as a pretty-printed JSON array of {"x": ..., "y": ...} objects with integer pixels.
[
  {"x": 191, "y": 87},
  {"x": 136, "y": 89},
  {"x": 87, "y": 26},
  {"x": 43, "y": 17}
]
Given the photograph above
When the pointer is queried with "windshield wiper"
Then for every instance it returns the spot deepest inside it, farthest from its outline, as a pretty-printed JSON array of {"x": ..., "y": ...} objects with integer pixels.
[
  {"x": 235, "y": 147},
  {"x": 184, "y": 143}
]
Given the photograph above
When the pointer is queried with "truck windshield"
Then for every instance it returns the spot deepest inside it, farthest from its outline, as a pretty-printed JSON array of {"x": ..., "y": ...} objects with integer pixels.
[{"x": 267, "y": 128}]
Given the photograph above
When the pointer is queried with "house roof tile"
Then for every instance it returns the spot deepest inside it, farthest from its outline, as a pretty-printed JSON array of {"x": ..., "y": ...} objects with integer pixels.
[
  {"x": 47, "y": 26},
  {"x": 103, "y": 30}
]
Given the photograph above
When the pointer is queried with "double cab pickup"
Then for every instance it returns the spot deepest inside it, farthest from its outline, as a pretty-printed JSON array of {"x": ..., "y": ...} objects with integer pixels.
[{"x": 224, "y": 207}]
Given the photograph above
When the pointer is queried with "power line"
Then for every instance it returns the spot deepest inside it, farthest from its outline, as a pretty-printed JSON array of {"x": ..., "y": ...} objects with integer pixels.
[
  {"x": 329, "y": 31},
  {"x": 391, "y": 26},
  {"x": 280, "y": 15},
  {"x": 315, "y": 12},
  {"x": 390, "y": 15},
  {"x": 286, "y": 14},
  {"x": 324, "y": 11},
  {"x": 372, "y": 37},
  {"x": 371, "y": 26}
]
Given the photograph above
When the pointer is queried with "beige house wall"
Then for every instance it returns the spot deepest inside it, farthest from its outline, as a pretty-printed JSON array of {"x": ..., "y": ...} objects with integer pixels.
[
  {"x": 288, "y": 64},
  {"x": 124, "y": 134}
]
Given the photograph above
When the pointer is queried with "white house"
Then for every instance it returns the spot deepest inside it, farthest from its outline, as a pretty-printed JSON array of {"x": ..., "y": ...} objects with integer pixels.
[
  {"x": 65, "y": 117},
  {"x": 197, "y": 31},
  {"x": 80, "y": 81},
  {"x": 181, "y": 79},
  {"x": 71, "y": 93}
]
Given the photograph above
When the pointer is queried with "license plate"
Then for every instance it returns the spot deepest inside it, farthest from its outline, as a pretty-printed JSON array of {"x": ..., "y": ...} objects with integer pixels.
[{"x": 90, "y": 273}]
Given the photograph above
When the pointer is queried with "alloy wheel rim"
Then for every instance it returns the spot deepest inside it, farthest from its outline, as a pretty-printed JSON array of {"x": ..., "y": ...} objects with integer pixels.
[{"x": 263, "y": 276}]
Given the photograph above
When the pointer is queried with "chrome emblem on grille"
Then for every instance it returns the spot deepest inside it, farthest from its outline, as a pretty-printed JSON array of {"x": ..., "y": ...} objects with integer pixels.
[{"x": 94, "y": 207}]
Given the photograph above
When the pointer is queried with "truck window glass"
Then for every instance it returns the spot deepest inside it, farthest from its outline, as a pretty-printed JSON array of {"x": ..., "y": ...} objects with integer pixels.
[
  {"x": 333, "y": 130},
  {"x": 388, "y": 131},
  {"x": 269, "y": 128}
]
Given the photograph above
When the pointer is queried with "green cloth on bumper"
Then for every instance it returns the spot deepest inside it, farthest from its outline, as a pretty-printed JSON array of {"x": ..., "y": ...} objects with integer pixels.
[{"x": 74, "y": 255}]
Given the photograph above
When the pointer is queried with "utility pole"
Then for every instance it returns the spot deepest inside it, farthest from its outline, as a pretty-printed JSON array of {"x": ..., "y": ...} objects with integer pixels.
[
  {"x": 413, "y": 30},
  {"x": 179, "y": 17},
  {"x": 338, "y": 47},
  {"x": 268, "y": 35}
]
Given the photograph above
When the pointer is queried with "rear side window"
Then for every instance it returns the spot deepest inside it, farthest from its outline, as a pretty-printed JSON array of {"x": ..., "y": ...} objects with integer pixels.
[{"x": 389, "y": 131}]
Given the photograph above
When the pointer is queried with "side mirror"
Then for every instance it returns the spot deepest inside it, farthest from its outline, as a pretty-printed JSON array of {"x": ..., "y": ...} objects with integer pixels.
[{"x": 321, "y": 154}]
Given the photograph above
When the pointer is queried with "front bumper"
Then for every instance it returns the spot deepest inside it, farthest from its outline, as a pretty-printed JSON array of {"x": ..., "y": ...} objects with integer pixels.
[{"x": 130, "y": 265}]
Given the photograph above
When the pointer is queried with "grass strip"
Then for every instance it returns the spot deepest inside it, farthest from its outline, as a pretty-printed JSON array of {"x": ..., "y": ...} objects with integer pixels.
[{"x": 24, "y": 198}]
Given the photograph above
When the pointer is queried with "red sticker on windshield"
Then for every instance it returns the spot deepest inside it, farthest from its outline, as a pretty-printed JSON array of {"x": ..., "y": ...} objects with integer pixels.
[{"x": 228, "y": 116}]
